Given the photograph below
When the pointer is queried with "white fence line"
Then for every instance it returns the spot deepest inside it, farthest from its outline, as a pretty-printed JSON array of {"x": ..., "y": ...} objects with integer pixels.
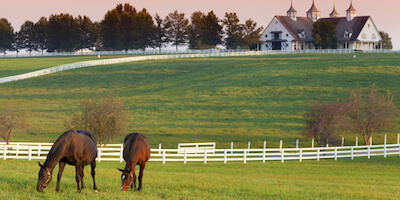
[
  {"x": 114, "y": 152},
  {"x": 171, "y": 56}
]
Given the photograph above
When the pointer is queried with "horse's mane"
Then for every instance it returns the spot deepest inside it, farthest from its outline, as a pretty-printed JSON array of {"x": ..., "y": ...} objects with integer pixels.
[{"x": 58, "y": 144}]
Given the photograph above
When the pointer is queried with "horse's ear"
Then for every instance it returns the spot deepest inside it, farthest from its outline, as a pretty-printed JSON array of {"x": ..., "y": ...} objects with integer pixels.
[
  {"x": 40, "y": 164},
  {"x": 121, "y": 170}
]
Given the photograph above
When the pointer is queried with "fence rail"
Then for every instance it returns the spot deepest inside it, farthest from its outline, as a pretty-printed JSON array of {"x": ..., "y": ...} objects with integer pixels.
[{"x": 114, "y": 152}]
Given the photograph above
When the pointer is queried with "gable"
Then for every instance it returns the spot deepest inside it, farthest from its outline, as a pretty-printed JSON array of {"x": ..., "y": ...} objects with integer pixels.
[
  {"x": 369, "y": 32},
  {"x": 276, "y": 26}
]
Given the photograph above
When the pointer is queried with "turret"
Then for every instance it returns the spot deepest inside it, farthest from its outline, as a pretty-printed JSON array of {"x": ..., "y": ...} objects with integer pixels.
[
  {"x": 292, "y": 13},
  {"x": 351, "y": 12},
  {"x": 313, "y": 14},
  {"x": 334, "y": 13}
]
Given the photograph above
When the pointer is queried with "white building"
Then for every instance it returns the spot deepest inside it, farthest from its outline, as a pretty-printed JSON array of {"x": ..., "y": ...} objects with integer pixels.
[{"x": 295, "y": 33}]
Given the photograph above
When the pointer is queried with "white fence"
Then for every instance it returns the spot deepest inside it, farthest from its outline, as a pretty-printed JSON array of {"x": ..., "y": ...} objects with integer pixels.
[{"x": 113, "y": 152}]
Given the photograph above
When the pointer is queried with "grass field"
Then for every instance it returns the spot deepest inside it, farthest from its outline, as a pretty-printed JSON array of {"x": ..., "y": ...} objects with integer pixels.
[
  {"x": 361, "y": 178},
  {"x": 237, "y": 99}
]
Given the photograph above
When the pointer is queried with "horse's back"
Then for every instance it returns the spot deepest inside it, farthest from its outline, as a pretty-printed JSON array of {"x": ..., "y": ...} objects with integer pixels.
[
  {"x": 137, "y": 147},
  {"x": 81, "y": 144}
]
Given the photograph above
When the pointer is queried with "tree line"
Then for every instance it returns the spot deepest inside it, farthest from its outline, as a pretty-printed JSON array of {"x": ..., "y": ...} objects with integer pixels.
[{"x": 124, "y": 28}]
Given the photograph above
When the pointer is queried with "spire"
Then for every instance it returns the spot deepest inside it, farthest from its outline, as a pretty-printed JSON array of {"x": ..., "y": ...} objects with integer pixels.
[
  {"x": 334, "y": 13},
  {"x": 292, "y": 13},
  {"x": 313, "y": 13},
  {"x": 351, "y": 12}
]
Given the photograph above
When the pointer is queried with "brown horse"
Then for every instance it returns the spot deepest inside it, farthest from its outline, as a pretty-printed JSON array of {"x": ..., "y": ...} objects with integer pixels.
[
  {"x": 136, "y": 152},
  {"x": 77, "y": 148}
]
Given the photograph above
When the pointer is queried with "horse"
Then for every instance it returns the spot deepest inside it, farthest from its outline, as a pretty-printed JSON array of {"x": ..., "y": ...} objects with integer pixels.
[
  {"x": 77, "y": 148},
  {"x": 136, "y": 152}
]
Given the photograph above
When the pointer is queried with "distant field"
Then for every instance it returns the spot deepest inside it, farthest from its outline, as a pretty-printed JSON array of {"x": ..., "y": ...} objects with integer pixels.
[
  {"x": 15, "y": 66},
  {"x": 226, "y": 99},
  {"x": 377, "y": 178}
]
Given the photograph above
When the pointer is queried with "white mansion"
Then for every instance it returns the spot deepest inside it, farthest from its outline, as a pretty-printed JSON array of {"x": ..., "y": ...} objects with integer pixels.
[{"x": 295, "y": 33}]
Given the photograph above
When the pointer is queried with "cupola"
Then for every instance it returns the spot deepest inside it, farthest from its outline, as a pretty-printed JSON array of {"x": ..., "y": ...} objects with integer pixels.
[
  {"x": 351, "y": 12},
  {"x": 334, "y": 13},
  {"x": 292, "y": 13},
  {"x": 313, "y": 14}
]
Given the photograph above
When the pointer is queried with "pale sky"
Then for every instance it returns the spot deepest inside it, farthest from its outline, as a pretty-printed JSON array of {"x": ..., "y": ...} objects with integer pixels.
[{"x": 385, "y": 13}]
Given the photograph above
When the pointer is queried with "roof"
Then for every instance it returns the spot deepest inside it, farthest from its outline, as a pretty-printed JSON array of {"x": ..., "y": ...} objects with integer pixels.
[
  {"x": 294, "y": 27},
  {"x": 334, "y": 12},
  {"x": 313, "y": 8},
  {"x": 291, "y": 9},
  {"x": 355, "y": 26}
]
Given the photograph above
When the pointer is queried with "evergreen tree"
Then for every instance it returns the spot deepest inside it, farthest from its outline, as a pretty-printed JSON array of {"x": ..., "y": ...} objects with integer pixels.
[
  {"x": 176, "y": 28},
  {"x": 324, "y": 34},
  {"x": 233, "y": 30},
  {"x": 6, "y": 35}
]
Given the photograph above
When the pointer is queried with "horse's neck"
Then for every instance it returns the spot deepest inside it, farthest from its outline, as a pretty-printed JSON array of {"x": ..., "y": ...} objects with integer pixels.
[{"x": 54, "y": 156}]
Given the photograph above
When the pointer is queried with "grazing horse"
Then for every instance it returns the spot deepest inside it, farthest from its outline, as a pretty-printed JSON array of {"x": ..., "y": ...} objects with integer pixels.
[
  {"x": 136, "y": 152},
  {"x": 77, "y": 148}
]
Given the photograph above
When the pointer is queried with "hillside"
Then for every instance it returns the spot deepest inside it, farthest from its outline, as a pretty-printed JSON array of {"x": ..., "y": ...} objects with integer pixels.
[{"x": 237, "y": 99}]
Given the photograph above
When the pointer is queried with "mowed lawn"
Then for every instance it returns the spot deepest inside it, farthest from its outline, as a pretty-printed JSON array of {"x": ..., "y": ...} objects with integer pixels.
[
  {"x": 377, "y": 178},
  {"x": 227, "y": 99}
]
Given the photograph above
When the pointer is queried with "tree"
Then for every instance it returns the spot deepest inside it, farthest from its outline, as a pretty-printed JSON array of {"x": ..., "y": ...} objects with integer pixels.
[
  {"x": 211, "y": 31},
  {"x": 324, "y": 34},
  {"x": 9, "y": 121},
  {"x": 176, "y": 28},
  {"x": 323, "y": 121},
  {"x": 62, "y": 33},
  {"x": 144, "y": 30},
  {"x": 252, "y": 34},
  {"x": 6, "y": 35},
  {"x": 87, "y": 33},
  {"x": 27, "y": 38},
  {"x": 109, "y": 30},
  {"x": 106, "y": 117},
  {"x": 194, "y": 30},
  {"x": 386, "y": 40},
  {"x": 40, "y": 33},
  {"x": 370, "y": 112},
  {"x": 233, "y": 30},
  {"x": 160, "y": 38}
]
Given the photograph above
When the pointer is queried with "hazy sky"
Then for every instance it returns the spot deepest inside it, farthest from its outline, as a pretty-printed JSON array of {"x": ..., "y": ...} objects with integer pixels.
[{"x": 383, "y": 12}]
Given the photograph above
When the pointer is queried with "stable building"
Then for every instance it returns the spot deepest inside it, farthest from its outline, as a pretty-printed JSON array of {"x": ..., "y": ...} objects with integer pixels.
[{"x": 290, "y": 32}]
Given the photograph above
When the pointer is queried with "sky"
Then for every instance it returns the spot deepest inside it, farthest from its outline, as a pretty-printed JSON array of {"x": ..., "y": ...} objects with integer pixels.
[{"x": 383, "y": 12}]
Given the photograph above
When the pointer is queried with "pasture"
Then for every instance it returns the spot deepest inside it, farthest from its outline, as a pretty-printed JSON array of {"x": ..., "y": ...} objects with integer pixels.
[
  {"x": 227, "y": 99},
  {"x": 361, "y": 178}
]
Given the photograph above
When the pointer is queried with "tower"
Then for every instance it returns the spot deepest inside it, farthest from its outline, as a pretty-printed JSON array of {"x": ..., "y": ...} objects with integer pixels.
[
  {"x": 292, "y": 13},
  {"x": 351, "y": 12},
  {"x": 334, "y": 13},
  {"x": 313, "y": 14}
]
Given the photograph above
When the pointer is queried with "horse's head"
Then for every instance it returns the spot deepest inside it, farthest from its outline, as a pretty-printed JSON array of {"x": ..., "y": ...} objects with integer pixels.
[
  {"x": 127, "y": 178},
  {"x": 44, "y": 178}
]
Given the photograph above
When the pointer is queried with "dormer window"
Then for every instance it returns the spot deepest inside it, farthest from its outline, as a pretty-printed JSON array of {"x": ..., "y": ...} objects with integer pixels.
[
  {"x": 347, "y": 34},
  {"x": 302, "y": 34}
]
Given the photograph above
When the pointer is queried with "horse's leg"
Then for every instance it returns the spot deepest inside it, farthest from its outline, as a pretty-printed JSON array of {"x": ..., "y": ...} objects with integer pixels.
[
  {"x": 141, "y": 175},
  {"x": 78, "y": 175},
  {"x": 82, "y": 176},
  {"x": 60, "y": 171},
  {"x": 134, "y": 178},
  {"x": 93, "y": 165}
]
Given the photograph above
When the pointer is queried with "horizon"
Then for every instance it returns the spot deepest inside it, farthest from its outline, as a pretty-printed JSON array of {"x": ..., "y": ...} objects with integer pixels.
[{"x": 260, "y": 11}]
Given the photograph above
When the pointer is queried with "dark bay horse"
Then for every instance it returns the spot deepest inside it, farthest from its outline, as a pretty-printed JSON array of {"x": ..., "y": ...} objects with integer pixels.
[
  {"x": 136, "y": 152},
  {"x": 77, "y": 148}
]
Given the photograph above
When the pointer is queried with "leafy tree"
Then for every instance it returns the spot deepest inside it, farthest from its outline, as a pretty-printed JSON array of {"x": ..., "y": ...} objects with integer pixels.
[
  {"x": 370, "y": 112},
  {"x": 61, "y": 33},
  {"x": 160, "y": 38},
  {"x": 40, "y": 33},
  {"x": 109, "y": 30},
  {"x": 125, "y": 26},
  {"x": 6, "y": 35},
  {"x": 324, "y": 34},
  {"x": 27, "y": 38},
  {"x": 386, "y": 40},
  {"x": 106, "y": 117},
  {"x": 252, "y": 34},
  {"x": 194, "y": 30},
  {"x": 87, "y": 32},
  {"x": 144, "y": 30},
  {"x": 211, "y": 31},
  {"x": 176, "y": 28},
  {"x": 233, "y": 30},
  {"x": 323, "y": 121}
]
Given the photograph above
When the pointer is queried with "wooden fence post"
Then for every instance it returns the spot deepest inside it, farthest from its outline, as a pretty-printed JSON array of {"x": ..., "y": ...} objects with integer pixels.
[
  {"x": 121, "y": 153},
  {"x": 384, "y": 147},
  {"x": 280, "y": 145},
  {"x": 335, "y": 155},
  {"x": 368, "y": 152},
  {"x": 352, "y": 153},
  {"x": 356, "y": 141},
  {"x": 4, "y": 152},
  {"x": 30, "y": 153},
  {"x": 231, "y": 147},
  {"x": 312, "y": 143},
  {"x": 282, "y": 155},
  {"x": 244, "y": 156},
  {"x": 264, "y": 149},
  {"x": 163, "y": 156},
  {"x": 184, "y": 156},
  {"x": 205, "y": 156},
  {"x": 317, "y": 154},
  {"x": 98, "y": 155},
  {"x": 225, "y": 156},
  {"x": 297, "y": 143},
  {"x": 39, "y": 149},
  {"x": 300, "y": 155},
  {"x": 159, "y": 148}
]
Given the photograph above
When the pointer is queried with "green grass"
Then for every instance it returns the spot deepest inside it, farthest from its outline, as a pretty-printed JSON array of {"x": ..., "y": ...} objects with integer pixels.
[
  {"x": 361, "y": 178},
  {"x": 230, "y": 99},
  {"x": 15, "y": 66}
]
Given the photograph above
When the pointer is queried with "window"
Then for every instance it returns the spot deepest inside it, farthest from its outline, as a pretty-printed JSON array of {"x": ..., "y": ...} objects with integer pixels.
[
  {"x": 347, "y": 34},
  {"x": 364, "y": 36},
  {"x": 287, "y": 35},
  {"x": 373, "y": 36},
  {"x": 275, "y": 36},
  {"x": 302, "y": 34}
]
